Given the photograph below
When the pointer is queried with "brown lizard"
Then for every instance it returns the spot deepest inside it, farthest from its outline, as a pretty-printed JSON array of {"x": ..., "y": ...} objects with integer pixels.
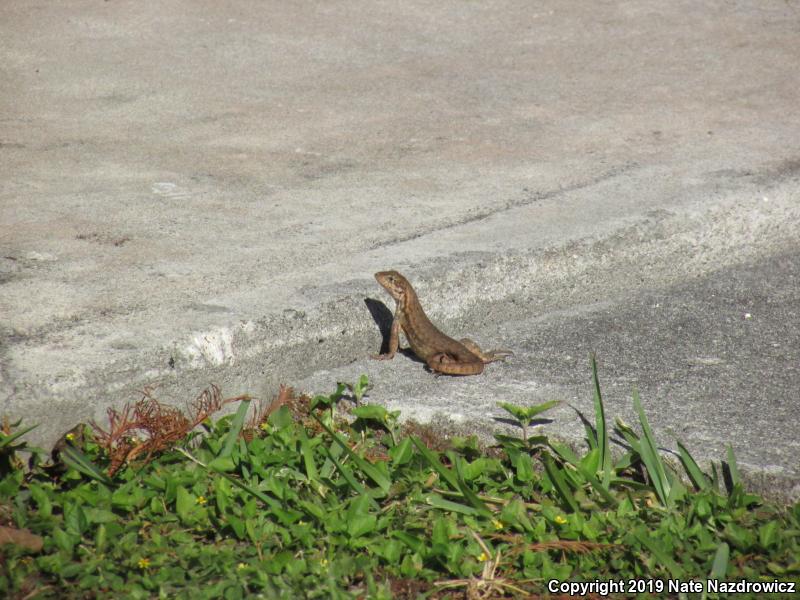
[{"x": 440, "y": 352}]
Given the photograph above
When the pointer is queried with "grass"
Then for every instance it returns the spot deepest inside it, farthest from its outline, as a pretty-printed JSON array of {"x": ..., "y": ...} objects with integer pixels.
[{"x": 298, "y": 501}]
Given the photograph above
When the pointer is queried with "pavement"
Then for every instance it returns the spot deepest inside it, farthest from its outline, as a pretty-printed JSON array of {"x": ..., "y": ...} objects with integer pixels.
[{"x": 199, "y": 191}]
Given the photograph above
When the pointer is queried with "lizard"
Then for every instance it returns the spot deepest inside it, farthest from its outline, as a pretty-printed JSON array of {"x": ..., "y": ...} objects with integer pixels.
[{"x": 440, "y": 352}]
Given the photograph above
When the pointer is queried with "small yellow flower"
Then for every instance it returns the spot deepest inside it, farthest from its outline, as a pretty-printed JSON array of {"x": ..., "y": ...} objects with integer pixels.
[
  {"x": 70, "y": 437},
  {"x": 201, "y": 500},
  {"x": 264, "y": 426},
  {"x": 241, "y": 566},
  {"x": 324, "y": 562},
  {"x": 483, "y": 557},
  {"x": 560, "y": 520},
  {"x": 301, "y": 522},
  {"x": 144, "y": 563},
  {"x": 497, "y": 524}
]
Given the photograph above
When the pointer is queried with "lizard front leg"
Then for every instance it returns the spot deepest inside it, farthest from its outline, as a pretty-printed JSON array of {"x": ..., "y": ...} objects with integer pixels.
[
  {"x": 394, "y": 341},
  {"x": 488, "y": 356}
]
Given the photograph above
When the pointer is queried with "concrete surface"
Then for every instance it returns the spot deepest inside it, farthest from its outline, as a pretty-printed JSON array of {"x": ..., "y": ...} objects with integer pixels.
[{"x": 199, "y": 191}]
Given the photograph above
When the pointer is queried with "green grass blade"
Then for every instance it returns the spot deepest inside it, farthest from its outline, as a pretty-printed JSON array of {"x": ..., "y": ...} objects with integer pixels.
[
  {"x": 369, "y": 470},
  {"x": 699, "y": 479},
  {"x": 566, "y": 453},
  {"x": 601, "y": 427},
  {"x": 569, "y": 456},
  {"x": 6, "y": 440},
  {"x": 308, "y": 456},
  {"x": 630, "y": 483},
  {"x": 455, "y": 481},
  {"x": 650, "y": 456},
  {"x": 733, "y": 468},
  {"x": 76, "y": 459},
  {"x": 625, "y": 430},
  {"x": 559, "y": 482},
  {"x": 436, "y": 465},
  {"x": 676, "y": 488},
  {"x": 438, "y": 502},
  {"x": 347, "y": 474},
  {"x": 599, "y": 486},
  {"x": 236, "y": 428},
  {"x": 663, "y": 558},
  {"x": 285, "y": 517}
]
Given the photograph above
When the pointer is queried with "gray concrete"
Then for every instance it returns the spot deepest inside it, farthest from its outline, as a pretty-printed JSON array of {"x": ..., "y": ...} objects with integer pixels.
[{"x": 200, "y": 191}]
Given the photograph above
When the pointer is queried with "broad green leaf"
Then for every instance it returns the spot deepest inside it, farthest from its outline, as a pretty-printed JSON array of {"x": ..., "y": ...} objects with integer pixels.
[
  {"x": 313, "y": 509},
  {"x": 222, "y": 464},
  {"x": 768, "y": 534},
  {"x": 281, "y": 418},
  {"x": 390, "y": 550},
  {"x": 719, "y": 567},
  {"x": 237, "y": 525},
  {"x": 465, "y": 489},
  {"x": 415, "y": 543},
  {"x": 525, "y": 414},
  {"x": 361, "y": 525},
  {"x": 185, "y": 503},
  {"x": 361, "y": 388},
  {"x": 524, "y": 467},
  {"x": 128, "y": 496},
  {"x": 75, "y": 521},
  {"x": 476, "y": 468},
  {"x": 63, "y": 540},
  {"x": 515, "y": 514},
  {"x": 326, "y": 401},
  {"x": 402, "y": 453},
  {"x": 100, "y": 538},
  {"x": 441, "y": 532},
  {"x": 359, "y": 505},
  {"x": 375, "y": 412},
  {"x": 739, "y": 536},
  {"x": 42, "y": 499}
]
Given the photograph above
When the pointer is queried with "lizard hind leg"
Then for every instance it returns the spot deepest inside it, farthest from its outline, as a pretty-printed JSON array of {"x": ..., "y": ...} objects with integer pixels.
[
  {"x": 449, "y": 364},
  {"x": 488, "y": 356}
]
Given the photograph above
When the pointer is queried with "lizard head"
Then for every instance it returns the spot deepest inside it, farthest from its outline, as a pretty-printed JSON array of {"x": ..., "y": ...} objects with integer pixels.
[{"x": 394, "y": 283}]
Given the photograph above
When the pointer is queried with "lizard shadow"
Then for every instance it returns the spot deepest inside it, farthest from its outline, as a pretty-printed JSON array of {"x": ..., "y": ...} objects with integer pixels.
[{"x": 383, "y": 318}]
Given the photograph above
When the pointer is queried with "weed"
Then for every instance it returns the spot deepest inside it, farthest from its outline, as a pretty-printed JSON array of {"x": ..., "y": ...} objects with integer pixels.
[{"x": 297, "y": 502}]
